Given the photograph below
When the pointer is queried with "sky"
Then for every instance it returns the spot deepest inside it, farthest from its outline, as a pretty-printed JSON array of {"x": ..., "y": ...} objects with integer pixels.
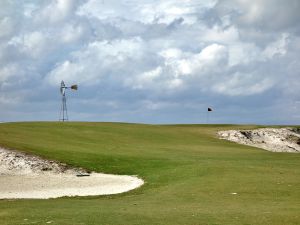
[{"x": 151, "y": 61}]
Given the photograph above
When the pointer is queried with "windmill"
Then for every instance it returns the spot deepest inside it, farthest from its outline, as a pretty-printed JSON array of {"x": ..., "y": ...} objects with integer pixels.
[{"x": 63, "y": 111}]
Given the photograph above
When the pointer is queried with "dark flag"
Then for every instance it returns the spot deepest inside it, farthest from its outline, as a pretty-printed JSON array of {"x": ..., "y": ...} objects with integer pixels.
[{"x": 209, "y": 110}]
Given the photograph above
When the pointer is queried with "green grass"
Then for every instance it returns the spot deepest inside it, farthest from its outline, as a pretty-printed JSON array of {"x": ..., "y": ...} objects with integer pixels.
[{"x": 189, "y": 176}]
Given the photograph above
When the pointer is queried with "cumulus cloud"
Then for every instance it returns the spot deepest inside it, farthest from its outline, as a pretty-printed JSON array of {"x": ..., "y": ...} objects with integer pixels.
[
  {"x": 56, "y": 11},
  {"x": 147, "y": 11},
  {"x": 268, "y": 14},
  {"x": 97, "y": 60},
  {"x": 168, "y": 58},
  {"x": 239, "y": 84}
]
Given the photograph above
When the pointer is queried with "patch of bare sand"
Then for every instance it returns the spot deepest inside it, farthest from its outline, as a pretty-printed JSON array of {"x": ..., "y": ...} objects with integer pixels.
[{"x": 27, "y": 176}]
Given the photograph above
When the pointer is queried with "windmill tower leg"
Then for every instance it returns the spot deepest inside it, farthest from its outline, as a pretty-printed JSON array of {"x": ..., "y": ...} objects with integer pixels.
[{"x": 64, "y": 112}]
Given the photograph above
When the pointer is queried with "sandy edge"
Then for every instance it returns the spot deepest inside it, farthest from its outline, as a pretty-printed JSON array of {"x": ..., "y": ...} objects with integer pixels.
[{"x": 25, "y": 176}]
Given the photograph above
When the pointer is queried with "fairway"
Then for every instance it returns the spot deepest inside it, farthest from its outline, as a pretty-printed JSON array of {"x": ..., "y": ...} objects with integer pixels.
[{"x": 191, "y": 177}]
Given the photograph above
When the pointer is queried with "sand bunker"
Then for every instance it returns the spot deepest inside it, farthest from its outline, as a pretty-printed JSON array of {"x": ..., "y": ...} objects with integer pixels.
[
  {"x": 271, "y": 139},
  {"x": 27, "y": 176}
]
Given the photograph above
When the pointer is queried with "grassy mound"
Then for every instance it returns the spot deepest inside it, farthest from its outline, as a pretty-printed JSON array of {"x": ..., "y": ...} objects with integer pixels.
[{"x": 190, "y": 176}]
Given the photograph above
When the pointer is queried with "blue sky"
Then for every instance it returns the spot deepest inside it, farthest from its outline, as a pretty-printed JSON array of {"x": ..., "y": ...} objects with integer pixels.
[{"x": 151, "y": 61}]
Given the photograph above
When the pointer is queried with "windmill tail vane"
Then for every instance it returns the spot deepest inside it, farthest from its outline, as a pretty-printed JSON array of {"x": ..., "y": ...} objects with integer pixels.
[
  {"x": 64, "y": 111},
  {"x": 74, "y": 87}
]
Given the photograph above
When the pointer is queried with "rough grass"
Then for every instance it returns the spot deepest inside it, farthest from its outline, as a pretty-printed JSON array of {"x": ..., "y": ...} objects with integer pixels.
[{"x": 189, "y": 176}]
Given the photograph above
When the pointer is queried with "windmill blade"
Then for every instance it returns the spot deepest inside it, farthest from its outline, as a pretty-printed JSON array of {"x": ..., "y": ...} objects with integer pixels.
[{"x": 74, "y": 87}]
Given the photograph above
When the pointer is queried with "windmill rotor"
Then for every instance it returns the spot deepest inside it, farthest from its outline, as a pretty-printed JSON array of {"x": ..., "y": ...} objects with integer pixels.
[{"x": 62, "y": 87}]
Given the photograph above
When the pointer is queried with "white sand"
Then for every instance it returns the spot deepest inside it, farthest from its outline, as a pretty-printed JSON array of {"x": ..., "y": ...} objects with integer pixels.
[
  {"x": 27, "y": 176},
  {"x": 271, "y": 139}
]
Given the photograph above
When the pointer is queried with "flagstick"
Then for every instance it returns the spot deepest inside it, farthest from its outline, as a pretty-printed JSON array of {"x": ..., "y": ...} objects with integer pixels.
[{"x": 207, "y": 118}]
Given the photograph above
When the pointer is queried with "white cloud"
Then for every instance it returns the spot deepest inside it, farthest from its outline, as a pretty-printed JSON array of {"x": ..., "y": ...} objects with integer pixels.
[
  {"x": 7, "y": 72},
  {"x": 6, "y": 27},
  {"x": 279, "y": 47},
  {"x": 211, "y": 57},
  {"x": 243, "y": 53},
  {"x": 72, "y": 33},
  {"x": 219, "y": 34},
  {"x": 168, "y": 11},
  {"x": 57, "y": 11},
  {"x": 171, "y": 53},
  {"x": 34, "y": 43},
  {"x": 212, "y": 53},
  {"x": 147, "y": 11},
  {"x": 175, "y": 83},
  {"x": 97, "y": 60},
  {"x": 242, "y": 85},
  {"x": 145, "y": 79},
  {"x": 268, "y": 14}
]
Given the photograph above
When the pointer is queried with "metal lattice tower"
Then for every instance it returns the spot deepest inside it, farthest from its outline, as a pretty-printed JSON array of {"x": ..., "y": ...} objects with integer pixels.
[{"x": 63, "y": 110}]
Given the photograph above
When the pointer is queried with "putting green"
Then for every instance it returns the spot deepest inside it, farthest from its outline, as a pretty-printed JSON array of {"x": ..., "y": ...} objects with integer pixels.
[{"x": 191, "y": 176}]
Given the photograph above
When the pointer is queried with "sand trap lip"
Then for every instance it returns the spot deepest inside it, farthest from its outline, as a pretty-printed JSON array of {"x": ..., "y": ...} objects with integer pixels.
[
  {"x": 270, "y": 139},
  {"x": 26, "y": 176}
]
